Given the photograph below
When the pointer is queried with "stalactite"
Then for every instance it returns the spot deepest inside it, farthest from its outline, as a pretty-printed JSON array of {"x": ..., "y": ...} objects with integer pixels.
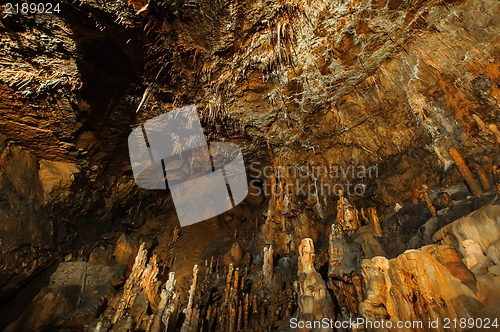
[
  {"x": 482, "y": 176},
  {"x": 466, "y": 173},
  {"x": 480, "y": 123},
  {"x": 377, "y": 228},
  {"x": 347, "y": 215},
  {"x": 495, "y": 131}
]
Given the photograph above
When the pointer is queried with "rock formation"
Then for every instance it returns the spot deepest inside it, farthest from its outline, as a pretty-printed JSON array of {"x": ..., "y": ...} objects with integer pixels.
[
  {"x": 369, "y": 131},
  {"x": 314, "y": 301}
]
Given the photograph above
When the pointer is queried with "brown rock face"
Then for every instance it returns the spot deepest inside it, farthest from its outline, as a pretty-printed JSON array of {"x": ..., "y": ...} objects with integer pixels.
[
  {"x": 380, "y": 100},
  {"x": 443, "y": 281},
  {"x": 419, "y": 285}
]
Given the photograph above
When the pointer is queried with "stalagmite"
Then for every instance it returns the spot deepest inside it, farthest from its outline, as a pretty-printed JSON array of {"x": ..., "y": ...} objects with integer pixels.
[
  {"x": 424, "y": 196},
  {"x": 228, "y": 285},
  {"x": 419, "y": 283},
  {"x": 130, "y": 290},
  {"x": 377, "y": 228},
  {"x": 191, "y": 319},
  {"x": 443, "y": 199},
  {"x": 239, "y": 323},
  {"x": 338, "y": 245},
  {"x": 254, "y": 305},
  {"x": 149, "y": 282},
  {"x": 344, "y": 258},
  {"x": 268, "y": 266},
  {"x": 246, "y": 311},
  {"x": 166, "y": 304},
  {"x": 313, "y": 299},
  {"x": 233, "y": 301},
  {"x": 466, "y": 173}
]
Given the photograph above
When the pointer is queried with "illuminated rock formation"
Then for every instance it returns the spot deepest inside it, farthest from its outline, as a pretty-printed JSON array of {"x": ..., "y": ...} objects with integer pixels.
[
  {"x": 407, "y": 88},
  {"x": 314, "y": 300}
]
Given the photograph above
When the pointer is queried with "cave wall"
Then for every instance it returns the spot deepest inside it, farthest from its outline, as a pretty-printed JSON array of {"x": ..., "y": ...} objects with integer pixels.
[{"x": 392, "y": 84}]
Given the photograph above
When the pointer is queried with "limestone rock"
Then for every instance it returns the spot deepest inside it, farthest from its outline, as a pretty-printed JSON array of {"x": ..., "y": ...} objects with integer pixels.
[
  {"x": 314, "y": 300},
  {"x": 46, "y": 309},
  {"x": 493, "y": 252},
  {"x": 419, "y": 284},
  {"x": 100, "y": 256},
  {"x": 234, "y": 255},
  {"x": 56, "y": 178},
  {"x": 124, "y": 250},
  {"x": 494, "y": 269},
  {"x": 481, "y": 226},
  {"x": 473, "y": 253}
]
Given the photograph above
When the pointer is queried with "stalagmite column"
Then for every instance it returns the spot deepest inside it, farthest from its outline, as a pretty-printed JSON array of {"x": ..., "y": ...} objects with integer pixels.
[
  {"x": 131, "y": 290},
  {"x": 424, "y": 196},
  {"x": 191, "y": 320},
  {"x": 156, "y": 327},
  {"x": 233, "y": 301},
  {"x": 342, "y": 272},
  {"x": 149, "y": 281},
  {"x": 377, "y": 228},
  {"x": 466, "y": 173},
  {"x": 313, "y": 299},
  {"x": 239, "y": 324},
  {"x": 167, "y": 297},
  {"x": 246, "y": 310},
  {"x": 228, "y": 285}
]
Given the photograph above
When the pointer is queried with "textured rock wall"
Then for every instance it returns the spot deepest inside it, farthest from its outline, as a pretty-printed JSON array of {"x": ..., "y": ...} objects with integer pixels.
[
  {"x": 388, "y": 83},
  {"x": 451, "y": 280}
]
